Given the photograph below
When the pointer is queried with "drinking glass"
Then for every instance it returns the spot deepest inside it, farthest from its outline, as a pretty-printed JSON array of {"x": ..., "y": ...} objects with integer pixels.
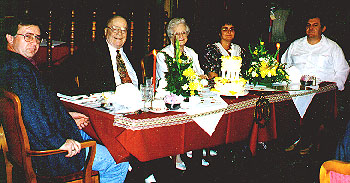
[
  {"x": 147, "y": 94},
  {"x": 148, "y": 81}
]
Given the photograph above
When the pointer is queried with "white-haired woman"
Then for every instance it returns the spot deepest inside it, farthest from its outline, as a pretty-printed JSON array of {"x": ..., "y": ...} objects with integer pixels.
[{"x": 178, "y": 28}]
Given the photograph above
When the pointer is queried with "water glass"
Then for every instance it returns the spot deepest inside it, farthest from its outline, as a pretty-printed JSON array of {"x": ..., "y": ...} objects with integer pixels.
[
  {"x": 148, "y": 81},
  {"x": 147, "y": 94}
]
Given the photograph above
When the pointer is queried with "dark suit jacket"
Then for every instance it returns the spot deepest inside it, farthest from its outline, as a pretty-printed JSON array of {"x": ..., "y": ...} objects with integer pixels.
[
  {"x": 46, "y": 120},
  {"x": 93, "y": 66}
]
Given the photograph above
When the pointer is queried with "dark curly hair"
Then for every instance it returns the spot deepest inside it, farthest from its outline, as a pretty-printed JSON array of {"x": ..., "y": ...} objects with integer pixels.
[{"x": 11, "y": 23}]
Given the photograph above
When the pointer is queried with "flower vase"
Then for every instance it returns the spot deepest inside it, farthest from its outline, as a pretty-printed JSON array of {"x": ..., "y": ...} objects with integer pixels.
[
  {"x": 186, "y": 99},
  {"x": 267, "y": 84},
  {"x": 172, "y": 106},
  {"x": 172, "y": 101}
]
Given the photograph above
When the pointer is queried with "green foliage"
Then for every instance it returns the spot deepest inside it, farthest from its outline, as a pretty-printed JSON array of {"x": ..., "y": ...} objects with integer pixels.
[
  {"x": 174, "y": 76},
  {"x": 262, "y": 67}
]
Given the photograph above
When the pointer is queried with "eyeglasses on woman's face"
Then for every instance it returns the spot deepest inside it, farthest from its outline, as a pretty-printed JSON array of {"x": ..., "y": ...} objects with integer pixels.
[{"x": 183, "y": 33}]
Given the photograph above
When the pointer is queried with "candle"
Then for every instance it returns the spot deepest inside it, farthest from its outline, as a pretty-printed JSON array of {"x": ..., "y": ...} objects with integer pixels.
[
  {"x": 154, "y": 69},
  {"x": 278, "y": 51}
]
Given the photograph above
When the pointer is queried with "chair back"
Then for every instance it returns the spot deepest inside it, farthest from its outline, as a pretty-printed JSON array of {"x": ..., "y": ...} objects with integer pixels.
[
  {"x": 335, "y": 171},
  {"x": 18, "y": 146},
  {"x": 15, "y": 132},
  {"x": 148, "y": 68}
]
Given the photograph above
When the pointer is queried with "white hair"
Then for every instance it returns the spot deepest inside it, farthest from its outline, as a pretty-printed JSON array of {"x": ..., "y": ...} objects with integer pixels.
[{"x": 175, "y": 22}]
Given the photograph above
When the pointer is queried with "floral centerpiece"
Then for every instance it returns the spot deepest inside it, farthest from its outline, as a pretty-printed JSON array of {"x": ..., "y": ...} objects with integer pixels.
[
  {"x": 262, "y": 67},
  {"x": 173, "y": 101},
  {"x": 181, "y": 78}
]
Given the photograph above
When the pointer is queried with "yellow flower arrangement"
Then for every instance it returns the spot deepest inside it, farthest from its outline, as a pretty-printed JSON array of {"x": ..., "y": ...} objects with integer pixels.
[
  {"x": 263, "y": 68},
  {"x": 189, "y": 72},
  {"x": 181, "y": 78}
]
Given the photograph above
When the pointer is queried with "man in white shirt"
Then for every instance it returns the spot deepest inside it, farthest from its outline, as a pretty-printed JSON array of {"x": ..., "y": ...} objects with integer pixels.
[
  {"x": 95, "y": 67},
  {"x": 316, "y": 55}
]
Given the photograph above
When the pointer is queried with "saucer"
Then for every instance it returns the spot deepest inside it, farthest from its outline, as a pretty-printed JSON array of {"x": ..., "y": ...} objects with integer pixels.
[{"x": 158, "y": 111}]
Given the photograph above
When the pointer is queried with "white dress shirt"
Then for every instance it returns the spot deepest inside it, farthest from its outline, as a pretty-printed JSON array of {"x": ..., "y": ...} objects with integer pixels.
[
  {"x": 325, "y": 60},
  {"x": 129, "y": 68},
  {"x": 162, "y": 66}
]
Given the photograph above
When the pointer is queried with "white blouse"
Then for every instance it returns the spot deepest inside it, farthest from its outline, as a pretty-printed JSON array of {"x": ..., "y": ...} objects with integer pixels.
[{"x": 162, "y": 66}]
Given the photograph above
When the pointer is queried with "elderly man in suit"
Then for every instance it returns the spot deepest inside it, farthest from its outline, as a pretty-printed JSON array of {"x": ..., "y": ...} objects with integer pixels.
[
  {"x": 102, "y": 65},
  {"x": 48, "y": 124}
]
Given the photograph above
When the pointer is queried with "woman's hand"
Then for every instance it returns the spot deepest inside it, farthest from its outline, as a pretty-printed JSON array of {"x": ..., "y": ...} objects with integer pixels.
[
  {"x": 203, "y": 76},
  {"x": 73, "y": 147},
  {"x": 80, "y": 119},
  {"x": 212, "y": 75}
]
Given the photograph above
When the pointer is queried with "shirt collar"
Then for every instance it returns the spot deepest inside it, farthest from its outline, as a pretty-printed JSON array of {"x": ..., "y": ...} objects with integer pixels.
[
  {"x": 113, "y": 49},
  {"x": 172, "y": 48},
  {"x": 323, "y": 39}
]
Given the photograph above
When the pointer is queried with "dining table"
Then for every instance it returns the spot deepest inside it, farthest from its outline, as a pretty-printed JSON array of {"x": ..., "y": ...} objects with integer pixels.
[{"x": 149, "y": 135}]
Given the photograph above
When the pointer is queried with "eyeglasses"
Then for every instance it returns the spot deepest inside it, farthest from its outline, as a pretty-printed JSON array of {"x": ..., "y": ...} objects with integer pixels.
[
  {"x": 29, "y": 37},
  {"x": 225, "y": 29},
  {"x": 116, "y": 29},
  {"x": 184, "y": 33}
]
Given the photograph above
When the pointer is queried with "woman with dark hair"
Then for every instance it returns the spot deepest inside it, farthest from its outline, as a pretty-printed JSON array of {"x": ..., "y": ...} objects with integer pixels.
[{"x": 213, "y": 52}]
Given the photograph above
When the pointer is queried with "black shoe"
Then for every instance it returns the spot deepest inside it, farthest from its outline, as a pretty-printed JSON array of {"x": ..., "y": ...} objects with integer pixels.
[
  {"x": 293, "y": 146},
  {"x": 305, "y": 151}
]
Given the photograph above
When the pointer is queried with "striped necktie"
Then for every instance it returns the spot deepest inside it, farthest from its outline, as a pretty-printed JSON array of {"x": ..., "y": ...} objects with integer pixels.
[{"x": 123, "y": 73}]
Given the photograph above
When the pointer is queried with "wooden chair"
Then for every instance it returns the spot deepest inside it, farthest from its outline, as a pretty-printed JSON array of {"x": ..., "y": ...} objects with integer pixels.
[
  {"x": 4, "y": 148},
  {"x": 17, "y": 149},
  {"x": 147, "y": 65},
  {"x": 335, "y": 171}
]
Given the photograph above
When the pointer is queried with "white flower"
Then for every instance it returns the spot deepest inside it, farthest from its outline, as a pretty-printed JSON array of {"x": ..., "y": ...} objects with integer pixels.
[
  {"x": 185, "y": 87},
  {"x": 269, "y": 74},
  {"x": 253, "y": 74},
  {"x": 204, "y": 82},
  {"x": 173, "y": 99}
]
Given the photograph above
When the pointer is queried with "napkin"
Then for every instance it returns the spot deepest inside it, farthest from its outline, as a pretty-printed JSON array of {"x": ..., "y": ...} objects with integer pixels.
[
  {"x": 126, "y": 98},
  {"x": 302, "y": 102},
  {"x": 201, "y": 105},
  {"x": 161, "y": 91},
  {"x": 294, "y": 74}
]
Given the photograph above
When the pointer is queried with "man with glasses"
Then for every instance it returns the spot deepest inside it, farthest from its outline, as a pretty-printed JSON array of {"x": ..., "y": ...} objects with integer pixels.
[
  {"x": 97, "y": 66},
  {"x": 48, "y": 124}
]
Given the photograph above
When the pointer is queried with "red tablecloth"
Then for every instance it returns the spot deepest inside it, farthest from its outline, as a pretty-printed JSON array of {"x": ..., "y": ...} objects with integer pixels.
[{"x": 156, "y": 141}]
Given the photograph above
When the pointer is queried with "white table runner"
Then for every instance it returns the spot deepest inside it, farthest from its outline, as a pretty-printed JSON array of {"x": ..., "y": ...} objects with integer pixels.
[{"x": 209, "y": 103}]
